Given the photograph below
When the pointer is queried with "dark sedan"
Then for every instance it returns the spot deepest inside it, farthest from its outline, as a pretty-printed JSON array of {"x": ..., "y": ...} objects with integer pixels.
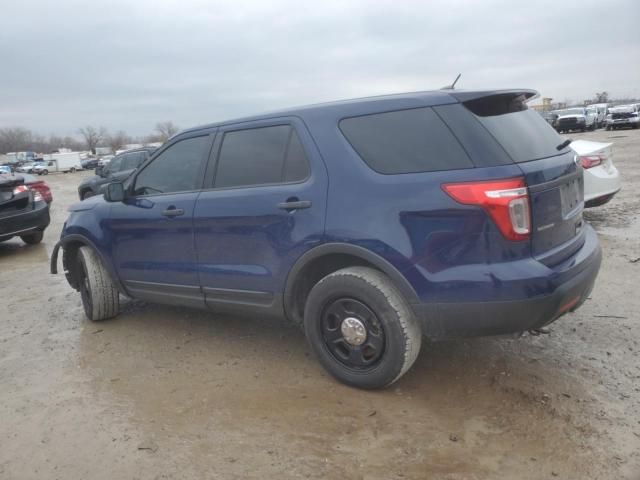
[{"x": 23, "y": 210}]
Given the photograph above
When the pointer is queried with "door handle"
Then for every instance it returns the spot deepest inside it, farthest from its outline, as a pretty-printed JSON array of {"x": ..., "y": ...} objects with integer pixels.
[
  {"x": 290, "y": 205},
  {"x": 173, "y": 212}
]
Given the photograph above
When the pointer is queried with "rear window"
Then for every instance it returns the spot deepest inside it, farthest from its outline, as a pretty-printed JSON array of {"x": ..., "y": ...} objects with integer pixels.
[
  {"x": 405, "y": 141},
  {"x": 523, "y": 133}
]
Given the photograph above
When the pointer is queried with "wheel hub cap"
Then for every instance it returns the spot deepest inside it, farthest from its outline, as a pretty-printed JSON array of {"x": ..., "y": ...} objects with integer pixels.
[{"x": 353, "y": 331}]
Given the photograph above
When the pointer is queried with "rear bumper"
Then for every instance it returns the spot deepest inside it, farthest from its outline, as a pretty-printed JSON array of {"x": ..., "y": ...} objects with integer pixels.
[
  {"x": 470, "y": 319},
  {"x": 600, "y": 200},
  {"x": 23, "y": 223},
  {"x": 600, "y": 183}
]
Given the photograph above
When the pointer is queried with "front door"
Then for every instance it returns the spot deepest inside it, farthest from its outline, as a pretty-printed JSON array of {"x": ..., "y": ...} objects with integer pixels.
[
  {"x": 263, "y": 206},
  {"x": 153, "y": 243}
]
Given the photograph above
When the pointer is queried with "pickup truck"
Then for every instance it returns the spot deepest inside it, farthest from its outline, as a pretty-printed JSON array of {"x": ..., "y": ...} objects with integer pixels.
[
  {"x": 577, "y": 118},
  {"x": 622, "y": 117}
]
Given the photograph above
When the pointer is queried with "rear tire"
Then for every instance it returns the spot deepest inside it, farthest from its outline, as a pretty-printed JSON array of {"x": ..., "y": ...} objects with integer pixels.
[
  {"x": 32, "y": 238},
  {"x": 73, "y": 170},
  {"x": 361, "y": 329},
  {"x": 97, "y": 290}
]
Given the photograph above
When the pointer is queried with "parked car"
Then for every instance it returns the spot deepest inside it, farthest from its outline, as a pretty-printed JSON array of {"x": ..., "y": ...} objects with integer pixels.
[
  {"x": 5, "y": 169},
  {"x": 104, "y": 160},
  {"x": 601, "y": 177},
  {"x": 23, "y": 211},
  {"x": 26, "y": 167},
  {"x": 575, "y": 119},
  {"x": 118, "y": 168},
  {"x": 624, "y": 116},
  {"x": 90, "y": 163},
  {"x": 370, "y": 222}
]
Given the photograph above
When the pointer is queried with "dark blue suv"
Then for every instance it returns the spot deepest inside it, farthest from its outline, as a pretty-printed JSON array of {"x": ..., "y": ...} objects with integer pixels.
[{"x": 370, "y": 222}]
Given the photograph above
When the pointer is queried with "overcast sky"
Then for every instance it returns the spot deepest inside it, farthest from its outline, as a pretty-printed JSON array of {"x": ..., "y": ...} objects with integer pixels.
[{"x": 129, "y": 64}]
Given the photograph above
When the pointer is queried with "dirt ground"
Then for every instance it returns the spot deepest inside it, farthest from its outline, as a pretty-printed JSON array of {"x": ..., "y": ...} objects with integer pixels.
[{"x": 169, "y": 393}]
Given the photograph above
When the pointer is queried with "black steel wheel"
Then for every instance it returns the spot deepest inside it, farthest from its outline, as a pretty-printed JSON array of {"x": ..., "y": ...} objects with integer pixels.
[
  {"x": 352, "y": 333},
  {"x": 361, "y": 328}
]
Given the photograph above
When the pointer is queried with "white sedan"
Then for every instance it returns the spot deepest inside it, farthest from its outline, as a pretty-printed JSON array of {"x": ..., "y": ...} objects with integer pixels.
[{"x": 601, "y": 177}]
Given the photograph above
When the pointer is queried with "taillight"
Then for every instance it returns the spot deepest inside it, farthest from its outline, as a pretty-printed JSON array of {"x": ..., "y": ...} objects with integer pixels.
[
  {"x": 44, "y": 193},
  {"x": 37, "y": 196},
  {"x": 506, "y": 201},
  {"x": 20, "y": 189},
  {"x": 590, "y": 161}
]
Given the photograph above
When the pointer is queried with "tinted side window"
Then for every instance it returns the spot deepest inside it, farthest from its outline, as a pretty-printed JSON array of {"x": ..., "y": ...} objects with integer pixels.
[
  {"x": 114, "y": 164},
  {"x": 405, "y": 141},
  {"x": 130, "y": 161},
  {"x": 177, "y": 169},
  {"x": 476, "y": 140},
  {"x": 140, "y": 157},
  {"x": 522, "y": 133},
  {"x": 296, "y": 164},
  {"x": 261, "y": 156}
]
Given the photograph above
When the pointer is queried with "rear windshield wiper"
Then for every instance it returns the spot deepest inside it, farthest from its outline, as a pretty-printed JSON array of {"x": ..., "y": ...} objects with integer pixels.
[{"x": 564, "y": 144}]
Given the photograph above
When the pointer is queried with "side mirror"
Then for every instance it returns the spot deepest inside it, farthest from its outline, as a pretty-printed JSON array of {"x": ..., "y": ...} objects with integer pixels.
[{"x": 114, "y": 192}]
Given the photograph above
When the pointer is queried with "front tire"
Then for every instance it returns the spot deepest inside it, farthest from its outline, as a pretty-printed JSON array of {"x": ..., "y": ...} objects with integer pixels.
[
  {"x": 361, "y": 329},
  {"x": 45, "y": 172},
  {"x": 32, "y": 238},
  {"x": 98, "y": 292}
]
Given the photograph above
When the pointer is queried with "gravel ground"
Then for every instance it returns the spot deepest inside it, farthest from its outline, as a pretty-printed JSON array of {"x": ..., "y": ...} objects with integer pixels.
[{"x": 169, "y": 393}]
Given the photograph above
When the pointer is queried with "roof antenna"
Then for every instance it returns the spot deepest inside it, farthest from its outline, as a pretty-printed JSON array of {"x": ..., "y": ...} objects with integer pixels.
[{"x": 452, "y": 86}]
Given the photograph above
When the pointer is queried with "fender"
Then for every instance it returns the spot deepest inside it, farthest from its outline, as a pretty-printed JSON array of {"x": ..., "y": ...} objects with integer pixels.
[
  {"x": 399, "y": 280},
  {"x": 85, "y": 241}
]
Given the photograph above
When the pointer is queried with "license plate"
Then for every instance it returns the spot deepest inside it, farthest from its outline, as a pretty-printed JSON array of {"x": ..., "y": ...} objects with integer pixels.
[{"x": 571, "y": 195}]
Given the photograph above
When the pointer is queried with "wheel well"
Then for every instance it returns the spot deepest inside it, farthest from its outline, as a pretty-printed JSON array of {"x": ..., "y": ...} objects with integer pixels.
[
  {"x": 70, "y": 262},
  {"x": 314, "y": 271}
]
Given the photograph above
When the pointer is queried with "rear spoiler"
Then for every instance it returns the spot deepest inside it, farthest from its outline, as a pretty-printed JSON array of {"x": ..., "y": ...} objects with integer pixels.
[
  {"x": 465, "y": 96},
  {"x": 495, "y": 102}
]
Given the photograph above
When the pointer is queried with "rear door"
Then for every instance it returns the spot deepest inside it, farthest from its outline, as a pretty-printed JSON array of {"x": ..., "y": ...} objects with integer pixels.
[
  {"x": 263, "y": 207},
  {"x": 554, "y": 179}
]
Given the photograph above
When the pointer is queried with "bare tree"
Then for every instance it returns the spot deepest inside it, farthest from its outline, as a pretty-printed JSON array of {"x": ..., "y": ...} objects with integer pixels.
[
  {"x": 166, "y": 130},
  {"x": 601, "y": 97},
  {"x": 92, "y": 136},
  {"x": 117, "y": 140},
  {"x": 15, "y": 139}
]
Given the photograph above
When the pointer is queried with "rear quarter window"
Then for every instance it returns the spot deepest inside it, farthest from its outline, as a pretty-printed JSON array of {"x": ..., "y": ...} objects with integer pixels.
[
  {"x": 405, "y": 141},
  {"x": 522, "y": 133}
]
